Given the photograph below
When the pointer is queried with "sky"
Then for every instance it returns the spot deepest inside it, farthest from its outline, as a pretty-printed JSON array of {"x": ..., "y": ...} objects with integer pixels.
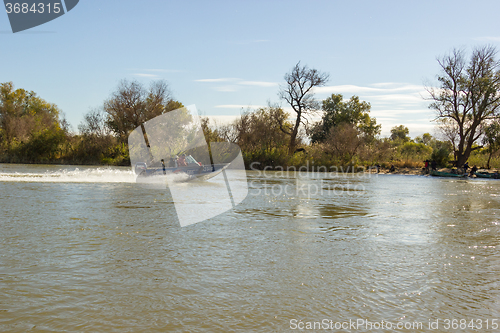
[{"x": 227, "y": 56}]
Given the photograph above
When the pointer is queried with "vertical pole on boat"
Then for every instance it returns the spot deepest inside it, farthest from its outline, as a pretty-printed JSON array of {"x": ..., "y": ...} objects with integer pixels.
[
  {"x": 151, "y": 159},
  {"x": 211, "y": 158}
]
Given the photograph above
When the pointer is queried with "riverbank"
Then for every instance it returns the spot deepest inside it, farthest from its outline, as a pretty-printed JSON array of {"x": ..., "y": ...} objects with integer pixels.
[
  {"x": 421, "y": 171},
  {"x": 399, "y": 171},
  {"x": 369, "y": 170}
]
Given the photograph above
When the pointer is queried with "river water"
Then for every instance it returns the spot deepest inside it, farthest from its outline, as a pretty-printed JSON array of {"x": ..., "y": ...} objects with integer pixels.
[{"x": 85, "y": 249}]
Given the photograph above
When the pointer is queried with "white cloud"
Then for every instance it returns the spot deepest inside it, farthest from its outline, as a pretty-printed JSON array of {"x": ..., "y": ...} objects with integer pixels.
[
  {"x": 395, "y": 87},
  {"x": 258, "y": 83},
  {"x": 385, "y": 84},
  {"x": 222, "y": 120},
  {"x": 398, "y": 98},
  {"x": 225, "y": 79},
  {"x": 238, "y": 106},
  {"x": 152, "y": 76},
  {"x": 237, "y": 82},
  {"x": 398, "y": 112}
]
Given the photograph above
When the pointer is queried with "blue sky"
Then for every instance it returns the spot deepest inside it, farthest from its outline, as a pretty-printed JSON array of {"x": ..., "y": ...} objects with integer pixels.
[{"x": 225, "y": 55}]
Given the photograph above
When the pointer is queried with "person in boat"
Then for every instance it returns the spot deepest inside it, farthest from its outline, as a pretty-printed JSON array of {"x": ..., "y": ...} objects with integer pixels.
[
  {"x": 427, "y": 166},
  {"x": 473, "y": 171},
  {"x": 181, "y": 162},
  {"x": 466, "y": 167},
  {"x": 163, "y": 166},
  {"x": 434, "y": 165},
  {"x": 191, "y": 161}
]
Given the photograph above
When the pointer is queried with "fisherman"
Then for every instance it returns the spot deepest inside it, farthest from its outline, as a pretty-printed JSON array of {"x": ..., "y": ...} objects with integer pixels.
[
  {"x": 473, "y": 171},
  {"x": 181, "y": 162},
  {"x": 465, "y": 167},
  {"x": 163, "y": 166}
]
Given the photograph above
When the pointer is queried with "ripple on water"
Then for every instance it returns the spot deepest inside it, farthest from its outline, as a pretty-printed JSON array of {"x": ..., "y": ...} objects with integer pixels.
[{"x": 112, "y": 257}]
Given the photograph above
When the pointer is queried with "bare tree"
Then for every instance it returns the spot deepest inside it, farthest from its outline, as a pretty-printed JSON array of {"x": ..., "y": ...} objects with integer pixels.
[
  {"x": 132, "y": 105},
  {"x": 94, "y": 124},
  {"x": 298, "y": 92},
  {"x": 449, "y": 131},
  {"x": 468, "y": 96}
]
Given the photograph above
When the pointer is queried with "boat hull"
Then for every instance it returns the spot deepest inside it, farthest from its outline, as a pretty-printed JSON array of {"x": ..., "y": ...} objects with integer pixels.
[
  {"x": 446, "y": 174},
  {"x": 483, "y": 175},
  {"x": 487, "y": 175},
  {"x": 183, "y": 174}
]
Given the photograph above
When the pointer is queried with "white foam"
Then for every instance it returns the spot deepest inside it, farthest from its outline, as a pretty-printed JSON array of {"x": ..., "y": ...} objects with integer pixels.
[{"x": 71, "y": 175}]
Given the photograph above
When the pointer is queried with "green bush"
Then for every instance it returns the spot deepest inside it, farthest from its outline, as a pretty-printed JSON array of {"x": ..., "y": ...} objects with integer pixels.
[{"x": 441, "y": 156}]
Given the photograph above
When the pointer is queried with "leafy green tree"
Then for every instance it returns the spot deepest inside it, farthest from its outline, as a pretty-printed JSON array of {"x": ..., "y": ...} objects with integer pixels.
[
  {"x": 261, "y": 134},
  {"x": 468, "y": 96},
  {"x": 441, "y": 155},
  {"x": 343, "y": 142},
  {"x": 23, "y": 113},
  {"x": 353, "y": 112},
  {"x": 426, "y": 139},
  {"x": 31, "y": 129},
  {"x": 492, "y": 139},
  {"x": 418, "y": 150},
  {"x": 263, "y": 129},
  {"x": 298, "y": 93},
  {"x": 43, "y": 146},
  {"x": 400, "y": 133}
]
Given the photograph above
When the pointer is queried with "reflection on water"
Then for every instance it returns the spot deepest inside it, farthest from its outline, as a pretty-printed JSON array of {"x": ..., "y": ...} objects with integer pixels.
[{"x": 110, "y": 256}]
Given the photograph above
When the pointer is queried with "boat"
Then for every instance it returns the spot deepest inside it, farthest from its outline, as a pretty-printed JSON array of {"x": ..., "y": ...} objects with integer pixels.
[
  {"x": 483, "y": 175},
  {"x": 172, "y": 148},
  {"x": 179, "y": 173},
  {"x": 446, "y": 174}
]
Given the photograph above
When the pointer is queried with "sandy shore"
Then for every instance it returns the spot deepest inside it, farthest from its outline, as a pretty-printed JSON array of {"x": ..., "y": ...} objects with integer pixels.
[
  {"x": 399, "y": 171},
  {"x": 415, "y": 171}
]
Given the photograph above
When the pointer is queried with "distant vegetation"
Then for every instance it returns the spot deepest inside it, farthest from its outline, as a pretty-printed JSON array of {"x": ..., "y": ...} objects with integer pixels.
[
  {"x": 467, "y": 106},
  {"x": 33, "y": 130}
]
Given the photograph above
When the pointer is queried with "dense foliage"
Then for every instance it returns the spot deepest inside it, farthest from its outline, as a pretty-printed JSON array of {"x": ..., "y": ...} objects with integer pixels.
[{"x": 33, "y": 130}]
